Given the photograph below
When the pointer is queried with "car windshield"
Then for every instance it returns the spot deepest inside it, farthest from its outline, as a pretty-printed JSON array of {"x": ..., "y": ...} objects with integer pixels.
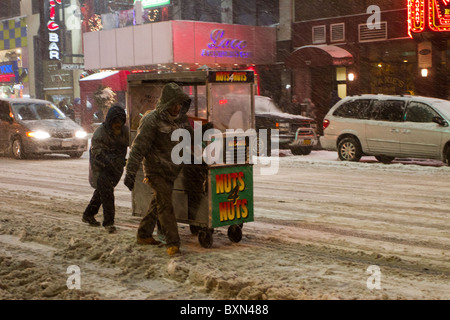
[
  {"x": 37, "y": 111},
  {"x": 443, "y": 107}
]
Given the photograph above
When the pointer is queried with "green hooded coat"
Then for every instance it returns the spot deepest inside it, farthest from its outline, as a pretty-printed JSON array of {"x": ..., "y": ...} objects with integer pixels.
[{"x": 153, "y": 144}]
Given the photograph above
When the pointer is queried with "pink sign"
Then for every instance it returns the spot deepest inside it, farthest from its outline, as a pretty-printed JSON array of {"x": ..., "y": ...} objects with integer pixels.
[{"x": 222, "y": 44}]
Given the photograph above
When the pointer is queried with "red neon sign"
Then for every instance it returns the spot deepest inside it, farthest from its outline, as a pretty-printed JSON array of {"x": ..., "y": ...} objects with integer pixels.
[
  {"x": 436, "y": 12},
  {"x": 439, "y": 15},
  {"x": 416, "y": 16},
  {"x": 7, "y": 78}
]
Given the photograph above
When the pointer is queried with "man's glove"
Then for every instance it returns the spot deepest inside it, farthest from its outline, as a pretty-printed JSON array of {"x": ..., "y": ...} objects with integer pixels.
[{"x": 129, "y": 181}]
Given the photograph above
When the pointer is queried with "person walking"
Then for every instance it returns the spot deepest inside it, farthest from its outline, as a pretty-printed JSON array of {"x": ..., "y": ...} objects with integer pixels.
[
  {"x": 153, "y": 148},
  {"x": 107, "y": 158}
]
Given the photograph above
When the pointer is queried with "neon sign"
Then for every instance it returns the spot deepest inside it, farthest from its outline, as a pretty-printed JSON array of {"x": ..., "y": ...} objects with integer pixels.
[
  {"x": 416, "y": 16},
  {"x": 153, "y": 3},
  {"x": 9, "y": 72},
  {"x": 437, "y": 12},
  {"x": 439, "y": 15},
  {"x": 52, "y": 26},
  {"x": 225, "y": 47}
]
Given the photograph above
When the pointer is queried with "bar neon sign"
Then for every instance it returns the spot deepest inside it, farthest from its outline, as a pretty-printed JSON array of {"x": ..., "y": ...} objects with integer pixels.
[{"x": 52, "y": 26}]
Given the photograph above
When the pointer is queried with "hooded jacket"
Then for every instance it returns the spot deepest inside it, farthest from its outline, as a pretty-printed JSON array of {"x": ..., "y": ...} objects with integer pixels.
[
  {"x": 153, "y": 144},
  {"x": 108, "y": 151}
]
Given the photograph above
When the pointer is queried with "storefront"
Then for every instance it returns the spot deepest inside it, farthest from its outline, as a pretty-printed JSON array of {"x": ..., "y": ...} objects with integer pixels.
[
  {"x": 89, "y": 86},
  {"x": 172, "y": 46},
  {"x": 348, "y": 55},
  {"x": 429, "y": 27},
  {"x": 13, "y": 58},
  {"x": 58, "y": 83},
  {"x": 180, "y": 46}
]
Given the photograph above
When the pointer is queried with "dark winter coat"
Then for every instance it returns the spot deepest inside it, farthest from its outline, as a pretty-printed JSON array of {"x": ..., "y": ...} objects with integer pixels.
[
  {"x": 108, "y": 152},
  {"x": 153, "y": 144}
]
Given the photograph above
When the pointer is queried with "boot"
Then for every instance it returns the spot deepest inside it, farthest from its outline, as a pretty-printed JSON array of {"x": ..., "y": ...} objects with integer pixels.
[
  {"x": 91, "y": 220},
  {"x": 147, "y": 241},
  {"x": 110, "y": 229},
  {"x": 173, "y": 250}
]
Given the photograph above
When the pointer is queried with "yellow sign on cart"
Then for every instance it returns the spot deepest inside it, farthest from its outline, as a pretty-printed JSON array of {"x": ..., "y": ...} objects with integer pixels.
[{"x": 231, "y": 195}]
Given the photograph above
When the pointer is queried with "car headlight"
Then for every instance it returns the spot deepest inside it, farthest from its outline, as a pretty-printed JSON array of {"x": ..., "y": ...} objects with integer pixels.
[
  {"x": 80, "y": 134},
  {"x": 40, "y": 135}
]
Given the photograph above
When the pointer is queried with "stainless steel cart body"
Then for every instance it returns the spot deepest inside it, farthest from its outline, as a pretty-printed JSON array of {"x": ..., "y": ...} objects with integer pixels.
[{"x": 206, "y": 195}]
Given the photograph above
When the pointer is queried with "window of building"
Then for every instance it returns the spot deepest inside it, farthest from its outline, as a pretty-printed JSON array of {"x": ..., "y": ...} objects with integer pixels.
[
  {"x": 9, "y": 8},
  {"x": 256, "y": 12},
  {"x": 35, "y": 6},
  {"x": 367, "y": 35},
  {"x": 319, "y": 34},
  {"x": 337, "y": 32},
  {"x": 201, "y": 10}
]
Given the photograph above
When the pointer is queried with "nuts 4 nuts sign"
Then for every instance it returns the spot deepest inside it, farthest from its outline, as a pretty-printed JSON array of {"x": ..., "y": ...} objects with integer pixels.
[{"x": 231, "y": 195}]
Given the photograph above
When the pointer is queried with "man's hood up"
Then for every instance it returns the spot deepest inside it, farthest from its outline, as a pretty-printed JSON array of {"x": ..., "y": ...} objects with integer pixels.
[
  {"x": 173, "y": 94},
  {"x": 115, "y": 112}
]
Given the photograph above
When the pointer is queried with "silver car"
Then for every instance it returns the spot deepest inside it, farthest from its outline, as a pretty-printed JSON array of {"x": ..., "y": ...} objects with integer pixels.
[
  {"x": 388, "y": 127},
  {"x": 32, "y": 126}
]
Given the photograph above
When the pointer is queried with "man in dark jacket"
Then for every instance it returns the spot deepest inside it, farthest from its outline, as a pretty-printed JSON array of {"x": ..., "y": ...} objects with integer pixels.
[
  {"x": 153, "y": 148},
  {"x": 109, "y": 145}
]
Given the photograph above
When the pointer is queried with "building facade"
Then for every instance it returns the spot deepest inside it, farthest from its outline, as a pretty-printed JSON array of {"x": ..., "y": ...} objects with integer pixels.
[
  {"x": 14, "y": 50},
  {"x": 350, "y": 47},
  {"x": 180, "y": 35}
]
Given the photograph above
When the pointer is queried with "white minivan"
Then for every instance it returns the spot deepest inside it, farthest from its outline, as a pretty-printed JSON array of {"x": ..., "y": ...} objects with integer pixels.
[{"x": 388, "y": 127}]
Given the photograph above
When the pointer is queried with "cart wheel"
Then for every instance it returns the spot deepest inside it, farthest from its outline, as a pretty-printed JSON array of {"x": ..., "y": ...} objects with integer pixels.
[
  {"x": 194, "y": 229},
  {"x": 235, "y": 233},
  {"x": 205, "y": 238}
]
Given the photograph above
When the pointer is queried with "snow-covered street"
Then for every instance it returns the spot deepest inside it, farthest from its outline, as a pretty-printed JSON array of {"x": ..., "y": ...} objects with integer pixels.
[{"x": 323, "y": 229}]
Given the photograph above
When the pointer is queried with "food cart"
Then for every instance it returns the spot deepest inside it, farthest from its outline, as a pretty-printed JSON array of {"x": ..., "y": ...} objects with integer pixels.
[{"x": 216, "y": 189}]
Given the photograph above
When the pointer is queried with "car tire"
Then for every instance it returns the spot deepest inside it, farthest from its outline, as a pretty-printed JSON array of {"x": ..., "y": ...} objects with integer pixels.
[
  {"x": 301, "y": 151},
  {"x": 448, "y": 156},
  {"x": 17, "y": 150},
  {"x": 349, "y": 149},
  {"x": 385, "y": 159},
  {"x": 76, "y": 154}
]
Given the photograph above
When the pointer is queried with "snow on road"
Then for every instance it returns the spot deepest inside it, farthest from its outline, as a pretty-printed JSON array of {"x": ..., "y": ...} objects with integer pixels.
[{"x": 320, "y": 225}]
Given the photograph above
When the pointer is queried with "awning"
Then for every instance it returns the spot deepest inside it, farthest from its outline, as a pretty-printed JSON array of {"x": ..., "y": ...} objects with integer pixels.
[
  {"x": 116, "y": 80},
  {"x": 319, "y": 56}
]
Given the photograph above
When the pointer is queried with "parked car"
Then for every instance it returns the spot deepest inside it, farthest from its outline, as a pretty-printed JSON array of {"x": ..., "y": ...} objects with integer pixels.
[
  {"x": 32, "y": 126},
  {"x": 290, "y": 126},
  {"x": 267, "y": 116},
  {"x": 388, "y": 127}
]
